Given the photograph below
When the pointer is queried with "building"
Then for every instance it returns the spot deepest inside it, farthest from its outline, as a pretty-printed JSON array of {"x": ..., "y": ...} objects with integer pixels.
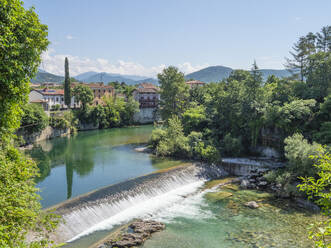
[
  {"x": 50, "y": 98},
  {"x": 99, "y": 90},
  {"x": 148, "y": 96},
  {"x": 195, "y": 83}
]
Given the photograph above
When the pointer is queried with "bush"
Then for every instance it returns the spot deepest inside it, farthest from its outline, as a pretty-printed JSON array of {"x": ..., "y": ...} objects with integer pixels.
[
  {"x": 271, "y": 176},
  {"x": 318, "y": 189},
  {"x": 55, "y": 107},
  {"x": 209, "y": 154},
  {"x": 157, "y": 135},
  {"x": 66, "y": 120},
  {"x": 298, "y": 152},
  {"x": 173, "y": 143},
  {"x": 34, "y": 118}
]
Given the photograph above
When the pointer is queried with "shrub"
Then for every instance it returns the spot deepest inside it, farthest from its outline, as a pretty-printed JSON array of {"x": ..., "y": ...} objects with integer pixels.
[
  {"x": 209, "y": 154},
  {"x": 157, "y": 135},
  {"x": 270, "y": 176},
  {"x": 66, "y": 120},
  {"x": 55, "y": 107},
  {"x": 318, "y": 189},
  {"x": 34, "y": 118},
  {"x": 299, "y": 154},
  {"x": 174, "y": 142}
]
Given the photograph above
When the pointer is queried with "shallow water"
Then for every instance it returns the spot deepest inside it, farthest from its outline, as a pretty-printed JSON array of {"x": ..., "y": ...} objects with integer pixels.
[
  {"x": 228, "y": 223},
  {"x": 196, "y": 220},
  {"x": 89, "y": 160}
]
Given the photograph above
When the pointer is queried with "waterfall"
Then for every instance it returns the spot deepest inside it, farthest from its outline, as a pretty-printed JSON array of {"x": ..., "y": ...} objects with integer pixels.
[{"x": 136, "y": 198}]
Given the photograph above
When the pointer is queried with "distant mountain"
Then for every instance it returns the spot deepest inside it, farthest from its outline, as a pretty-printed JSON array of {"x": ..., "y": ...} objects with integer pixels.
[
  {"x": 210, "y": 74},
  {"x": 278, "y": 73},
  {"x": 85, "y": 75},
  {"x": 43, "y": 76},
  {"x": 149, "y": 80},
  {"x": 90, "y": 77},
  {"x": 218, "y": 73}
]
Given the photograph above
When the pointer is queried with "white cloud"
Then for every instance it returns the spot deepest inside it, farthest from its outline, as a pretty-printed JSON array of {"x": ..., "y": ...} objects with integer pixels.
[
  {"x": 70, "y": 37},
  {"x": 54, "y": 63}
]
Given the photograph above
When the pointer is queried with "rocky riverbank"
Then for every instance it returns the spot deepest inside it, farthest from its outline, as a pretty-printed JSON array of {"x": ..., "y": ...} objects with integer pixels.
[
  {"x": 255, "y": 180},
  {"x": 133, "y": 235}
]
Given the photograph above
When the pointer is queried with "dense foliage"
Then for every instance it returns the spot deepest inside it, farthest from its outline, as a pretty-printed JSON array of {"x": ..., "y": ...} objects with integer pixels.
[
  {"x": 242, "y": 113},
  {"x": 34, "y": 118},
  {"x": 64, "y": 120},
  {"x": 83, "y": 94},
  {"x": 22, "y": 40},
  {"x": 319, "y": 190},
  {"x": 113, "y": 112}
]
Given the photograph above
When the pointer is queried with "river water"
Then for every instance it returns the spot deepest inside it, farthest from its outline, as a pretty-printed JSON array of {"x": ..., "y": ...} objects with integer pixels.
[
  {"x": 90, "y": 160},
  {"x": 194, "y": 217}
]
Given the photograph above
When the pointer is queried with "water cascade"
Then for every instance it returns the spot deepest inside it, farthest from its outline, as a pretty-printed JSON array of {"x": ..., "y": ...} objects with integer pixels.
[{"x": 136, "y": 198}]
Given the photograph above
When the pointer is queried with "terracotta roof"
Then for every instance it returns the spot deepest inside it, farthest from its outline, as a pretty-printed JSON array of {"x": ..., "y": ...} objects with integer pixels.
[
  {"x": 99, "y": 85},
  {"x": 147, "y": 85},
  {"x": 147, "y": 90},
  {"x": 195, "y": 82}
]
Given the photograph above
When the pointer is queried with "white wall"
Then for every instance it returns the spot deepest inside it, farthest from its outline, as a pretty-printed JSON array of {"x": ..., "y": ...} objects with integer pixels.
[{"x": 35, "y": 95}]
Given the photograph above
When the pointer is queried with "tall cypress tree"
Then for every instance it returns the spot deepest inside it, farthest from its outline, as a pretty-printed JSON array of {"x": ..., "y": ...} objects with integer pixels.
[{"x": 67, "y": 89}]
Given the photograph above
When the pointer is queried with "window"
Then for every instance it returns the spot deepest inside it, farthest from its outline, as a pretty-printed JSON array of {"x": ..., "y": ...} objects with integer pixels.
[
  {"x": 56, "y": 99},
  {"x": 62, "y": 99}
]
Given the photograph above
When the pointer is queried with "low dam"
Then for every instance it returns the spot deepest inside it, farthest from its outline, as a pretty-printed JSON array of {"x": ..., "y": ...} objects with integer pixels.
[{"x": 120, "y": 203}]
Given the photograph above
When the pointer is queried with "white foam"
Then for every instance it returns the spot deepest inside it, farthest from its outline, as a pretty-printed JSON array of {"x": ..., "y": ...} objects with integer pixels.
[{"x": 165, "y": 206}]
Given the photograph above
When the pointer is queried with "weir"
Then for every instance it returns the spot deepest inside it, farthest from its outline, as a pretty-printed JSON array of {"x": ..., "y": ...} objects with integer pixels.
[{"x": 136, "y": 198}]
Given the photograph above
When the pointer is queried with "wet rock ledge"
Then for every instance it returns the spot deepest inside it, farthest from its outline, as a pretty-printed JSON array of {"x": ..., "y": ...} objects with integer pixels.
[{"x": 133, "y": 235}]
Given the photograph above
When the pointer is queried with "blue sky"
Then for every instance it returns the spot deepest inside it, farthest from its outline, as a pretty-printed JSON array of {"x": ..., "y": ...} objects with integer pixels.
[{"x": 143, "y": 36}]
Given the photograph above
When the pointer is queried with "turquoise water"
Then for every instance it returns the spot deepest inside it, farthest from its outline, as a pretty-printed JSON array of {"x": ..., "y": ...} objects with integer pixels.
[
  {"x": 93, "y": 159},
  {"x": 198, "y": 220},
  {"x": 89, "y": 160},
  {"x": 228, "y": 223}
]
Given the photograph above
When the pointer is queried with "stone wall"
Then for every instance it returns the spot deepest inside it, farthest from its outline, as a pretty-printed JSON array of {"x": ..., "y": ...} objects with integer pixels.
[
  {"x": 47, "y": 133},
  {"x": 145, "y": 115}
]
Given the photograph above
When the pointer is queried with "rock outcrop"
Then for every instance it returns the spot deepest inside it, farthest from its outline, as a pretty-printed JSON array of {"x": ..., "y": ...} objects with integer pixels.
[{"x": 135, "y": 235}]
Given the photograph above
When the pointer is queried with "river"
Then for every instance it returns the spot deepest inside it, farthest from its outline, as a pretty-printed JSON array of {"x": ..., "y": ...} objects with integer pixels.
[
  {"x": 72, "y": 166},
  {"x": 194, "y": 217}
]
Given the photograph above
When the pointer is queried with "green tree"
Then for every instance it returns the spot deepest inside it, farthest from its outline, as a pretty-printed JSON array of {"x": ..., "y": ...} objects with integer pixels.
[
  {"x": 194, "y": 118},
  {"x": 302, "y": 49},
  {"x": 318, "y": 189},
  {"x": 67, "y": 88},
  {"x": 324, "y": 39},
  {"x": 300, "y": 154},
  {"x": 83, "y": 94},
  {"x": 34, "y": 118},
  {"x": 22, "y": 40},
  {"x": 174, "y": 92}
]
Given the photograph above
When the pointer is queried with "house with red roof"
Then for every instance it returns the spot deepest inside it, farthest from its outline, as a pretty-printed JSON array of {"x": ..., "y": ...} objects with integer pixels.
[
  {"x": 148, "y": 96},
  {"x": 50, "y": 98},
  {"x": 195, "y": 83}
]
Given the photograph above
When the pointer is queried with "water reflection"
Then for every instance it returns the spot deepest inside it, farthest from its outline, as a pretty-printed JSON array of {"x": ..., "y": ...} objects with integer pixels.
[{"x": 90, "y": 160}]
